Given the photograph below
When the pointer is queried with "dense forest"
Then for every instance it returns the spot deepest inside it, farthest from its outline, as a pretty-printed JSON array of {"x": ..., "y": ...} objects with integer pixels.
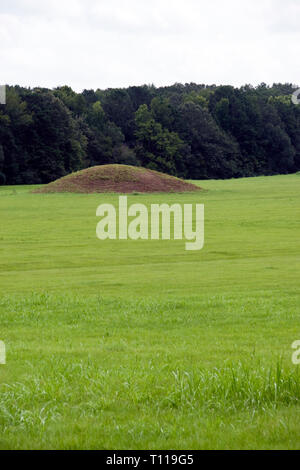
[{"x": 192, "y": 131}]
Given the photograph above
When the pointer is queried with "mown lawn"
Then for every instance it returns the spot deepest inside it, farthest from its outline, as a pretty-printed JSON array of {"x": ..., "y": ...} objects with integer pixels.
[{"x": 141, "y": 344}]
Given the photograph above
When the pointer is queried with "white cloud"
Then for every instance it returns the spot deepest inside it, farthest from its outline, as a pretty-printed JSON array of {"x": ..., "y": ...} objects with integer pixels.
[
  {"x": 285, "y": 17},
  {"x": 108, "y": 43}
]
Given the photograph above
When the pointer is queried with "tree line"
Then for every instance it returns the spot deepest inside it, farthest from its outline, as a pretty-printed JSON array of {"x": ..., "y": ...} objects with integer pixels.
[{"x": 191, "y": 131}]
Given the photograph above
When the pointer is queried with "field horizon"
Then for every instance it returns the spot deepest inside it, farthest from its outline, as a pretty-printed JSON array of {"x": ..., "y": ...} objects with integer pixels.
[{"x": 141, "y": 344}]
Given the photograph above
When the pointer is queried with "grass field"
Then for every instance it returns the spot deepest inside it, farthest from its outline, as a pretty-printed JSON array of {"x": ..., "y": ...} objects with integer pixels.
[{"x": 141, "y": 344}]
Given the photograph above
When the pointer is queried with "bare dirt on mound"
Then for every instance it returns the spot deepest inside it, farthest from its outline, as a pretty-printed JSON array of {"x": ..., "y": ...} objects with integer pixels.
[{"x": 118, "y": 179}]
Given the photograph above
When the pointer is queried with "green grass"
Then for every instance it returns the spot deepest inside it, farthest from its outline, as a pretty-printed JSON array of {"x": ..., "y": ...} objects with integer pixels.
[{"x": 143, "y": 345}]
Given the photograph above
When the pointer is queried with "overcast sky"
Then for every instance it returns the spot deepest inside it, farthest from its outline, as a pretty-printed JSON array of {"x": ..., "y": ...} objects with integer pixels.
[{"x": 117, "y": 43}]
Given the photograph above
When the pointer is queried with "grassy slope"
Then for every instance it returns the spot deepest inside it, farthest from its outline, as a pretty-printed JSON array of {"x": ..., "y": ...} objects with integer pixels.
[{"x": 125, "y": 344}]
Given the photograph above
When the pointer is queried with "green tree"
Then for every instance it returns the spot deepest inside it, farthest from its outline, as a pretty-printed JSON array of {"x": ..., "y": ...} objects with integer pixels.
[{"x": 158, "y": 148}]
